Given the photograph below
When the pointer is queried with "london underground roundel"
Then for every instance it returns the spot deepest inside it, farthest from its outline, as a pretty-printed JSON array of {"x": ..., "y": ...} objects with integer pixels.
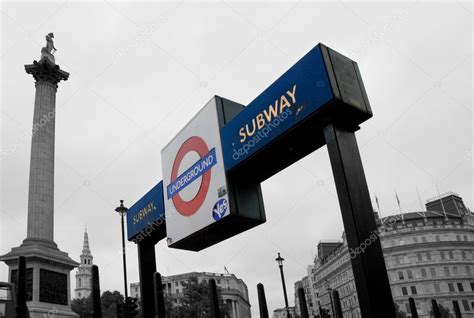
[
  {"x": 194, "y": 180},
  {"x": 201, "y": 169}
]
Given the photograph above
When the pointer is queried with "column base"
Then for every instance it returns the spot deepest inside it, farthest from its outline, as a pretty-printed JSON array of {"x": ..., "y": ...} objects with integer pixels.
[{"x": 47, "y": 277}]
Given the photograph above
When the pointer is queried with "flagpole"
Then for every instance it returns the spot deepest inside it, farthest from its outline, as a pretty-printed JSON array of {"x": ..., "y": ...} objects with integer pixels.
[
  {"x": 442, "y": 205},
  {"x": 399, "y": 207},
  {"x": 421, "y": 205}
]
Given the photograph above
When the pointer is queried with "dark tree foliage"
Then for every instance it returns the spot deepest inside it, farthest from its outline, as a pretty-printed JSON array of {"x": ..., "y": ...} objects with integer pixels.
[
  {"x": 400, "y": 313},
  {"x": 445, "y": 313},
  {"x": 195, "y": 302},
  {"x": 82, "y": 307},
  {"x": 109, "y": 300}
]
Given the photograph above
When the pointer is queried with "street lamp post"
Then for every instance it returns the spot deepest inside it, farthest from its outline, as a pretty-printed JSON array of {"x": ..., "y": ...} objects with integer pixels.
[
  {"x": 122, "y": 210},
  {"x": 280, "y": 260}
]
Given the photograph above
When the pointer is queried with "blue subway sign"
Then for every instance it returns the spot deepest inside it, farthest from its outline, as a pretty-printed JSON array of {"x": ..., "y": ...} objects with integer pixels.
[
  {"x": 147, "y": 215},
  {"x": 320, "y": 78}
]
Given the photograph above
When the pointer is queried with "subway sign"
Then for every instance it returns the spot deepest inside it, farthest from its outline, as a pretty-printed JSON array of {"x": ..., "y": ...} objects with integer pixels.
[
  {"x": 147, "y": 216},
  {"x": 322, "y": 87},
  {"x": 212, "y": 169}
]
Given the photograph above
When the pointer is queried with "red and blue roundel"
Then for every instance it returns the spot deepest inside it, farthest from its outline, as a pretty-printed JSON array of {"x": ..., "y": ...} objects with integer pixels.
[{"x": 201, "y": 168}]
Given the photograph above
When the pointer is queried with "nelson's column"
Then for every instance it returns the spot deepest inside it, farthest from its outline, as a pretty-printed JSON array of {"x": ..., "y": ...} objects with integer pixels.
[{"x": 47, "y": 268}]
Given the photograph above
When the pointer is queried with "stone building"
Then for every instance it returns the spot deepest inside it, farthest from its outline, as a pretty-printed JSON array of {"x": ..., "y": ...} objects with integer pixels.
[
  {"x": 428, "y": 254},
  {"x": 84, "y": 271},
  {"x": 233, "y": 290}
]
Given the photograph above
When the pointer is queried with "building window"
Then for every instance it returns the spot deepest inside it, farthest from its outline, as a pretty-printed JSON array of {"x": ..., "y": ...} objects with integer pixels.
[
  {"x": 463, "y": 255},
  {"x": 455, "y": 270},
  {"x": 460, "y": 287},
  {"x": 446, "y": 271},
  {"x": 396, "y": 259},
  {"x": 79, "y": 294},
  {"x": 433, "y": 272},
  {"x": 468, "y": 270},
  {"x": 415, "y": 239},
  {"x": 437, "y": 289},
  {"x": 428, "y": 256},
  {"x": 472, "y": 286},
  {"x": 451, "y": 256},
  {"x": 413, "y": 290},
  {"x": 176, "y": 284},
  {"x": 400, "y": 276},
  {"x": 423, "y": 238},
  {"x": 404, "y": 291},
  {"x": 420, "y": 258},
  {"x": 466, "y": 238},
  {"x": 466, "y": 305},
  {"x": 423, "y": 272},
  {"x": 410, "y": 274},
  {"x": 458, "y": 237},
  {"x": 442, "y": 255},
  {"x": 437, "y": 238},
  {"x": 451, "y": 287},
  {"x": 80, "y": 282}
]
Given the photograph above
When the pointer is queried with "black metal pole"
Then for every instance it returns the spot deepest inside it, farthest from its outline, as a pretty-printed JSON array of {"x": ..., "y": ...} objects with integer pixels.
[
  {"x": 96, "y": 305},
  {"x": 302, "y": 301},
  {"x": 332, "y": 304},
  {"x": 159, "y": 297},
  {"x": 337, "y": 304},
  {"x": 457, "y": 310},
  {"x": 124, "y": 267},
  {"x": 284, "y": 289},
  {"x": 262, "y": 301},
  {"x": 434, "y": 305},
  {"x": 21, "y": 308},
  {"x": 146, "y": 270},
  {"x": 215, "y": 312},
  {"x": 370, "y": 273},
  {"x": 414, "y": 312}
]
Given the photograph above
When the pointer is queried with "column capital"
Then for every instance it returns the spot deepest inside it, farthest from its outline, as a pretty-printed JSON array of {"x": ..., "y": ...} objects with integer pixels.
[{"x": 46, "y": 71}]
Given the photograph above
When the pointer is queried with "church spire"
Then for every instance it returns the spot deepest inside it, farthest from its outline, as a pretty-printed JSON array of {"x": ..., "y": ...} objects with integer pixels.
[{"x": 85, "y": 246}]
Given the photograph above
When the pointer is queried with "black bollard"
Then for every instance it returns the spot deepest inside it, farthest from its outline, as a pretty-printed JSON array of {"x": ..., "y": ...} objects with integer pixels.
[
  {"x": 215, "y": 312},
  {"x": 436, "y": 312},
  {"x": 303, "y": 306},
  {"x": 21, "y": 308},
  {"x": 337, "y": 304},
  {"x": 96, "y": 305},
  {"x": 262, "y": 301},
  {"x": 457, "y": 310},
  {"x": 159, "y": 298},
  {"x": 414, "y": 313}
]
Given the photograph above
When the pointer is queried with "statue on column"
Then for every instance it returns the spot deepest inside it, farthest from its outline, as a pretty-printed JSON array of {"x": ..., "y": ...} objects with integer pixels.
[
  {"x": 49, "y": 49},
  {"x": 49, "y": 43}
]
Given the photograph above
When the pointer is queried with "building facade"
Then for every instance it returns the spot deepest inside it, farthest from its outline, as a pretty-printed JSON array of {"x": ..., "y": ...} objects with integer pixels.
[
  {"x": 84, "y": 271},
  {"x": 428, "y": 255},
  {"x": 233, "y": 290}
]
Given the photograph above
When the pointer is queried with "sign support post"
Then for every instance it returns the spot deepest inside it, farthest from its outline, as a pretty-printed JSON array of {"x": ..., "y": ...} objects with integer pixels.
[
  {"x": 147, "y": 267},
  {"x": 370, "y": 273}
]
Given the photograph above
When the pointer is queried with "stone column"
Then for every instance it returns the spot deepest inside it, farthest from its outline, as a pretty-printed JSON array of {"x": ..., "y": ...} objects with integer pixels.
[{"x": 41, "y": 187}]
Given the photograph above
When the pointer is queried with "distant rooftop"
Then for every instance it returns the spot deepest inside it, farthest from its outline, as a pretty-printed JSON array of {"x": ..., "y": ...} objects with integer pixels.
[{"x": 444, "y": 195}]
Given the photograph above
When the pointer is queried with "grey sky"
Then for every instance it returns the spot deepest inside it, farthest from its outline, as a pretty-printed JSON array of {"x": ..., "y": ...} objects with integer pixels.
[{"x": 139, "y": 72}]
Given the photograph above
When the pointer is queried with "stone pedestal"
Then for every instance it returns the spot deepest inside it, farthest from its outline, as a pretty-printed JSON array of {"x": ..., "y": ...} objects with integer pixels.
[{"x": 47, "y": 268}]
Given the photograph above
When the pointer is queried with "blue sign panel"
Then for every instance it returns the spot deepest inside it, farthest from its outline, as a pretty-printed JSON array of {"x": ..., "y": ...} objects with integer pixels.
[
  {"x": 299, "y": 92},
  {"x": 147, "y": 214}
]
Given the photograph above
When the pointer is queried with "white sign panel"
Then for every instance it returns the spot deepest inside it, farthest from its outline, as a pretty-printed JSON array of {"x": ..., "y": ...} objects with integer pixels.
[{"x": 194, "y": 182}]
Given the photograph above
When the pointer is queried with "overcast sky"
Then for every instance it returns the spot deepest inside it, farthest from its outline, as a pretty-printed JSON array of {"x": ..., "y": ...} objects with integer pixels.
[{"x": 139, "y": 73}]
